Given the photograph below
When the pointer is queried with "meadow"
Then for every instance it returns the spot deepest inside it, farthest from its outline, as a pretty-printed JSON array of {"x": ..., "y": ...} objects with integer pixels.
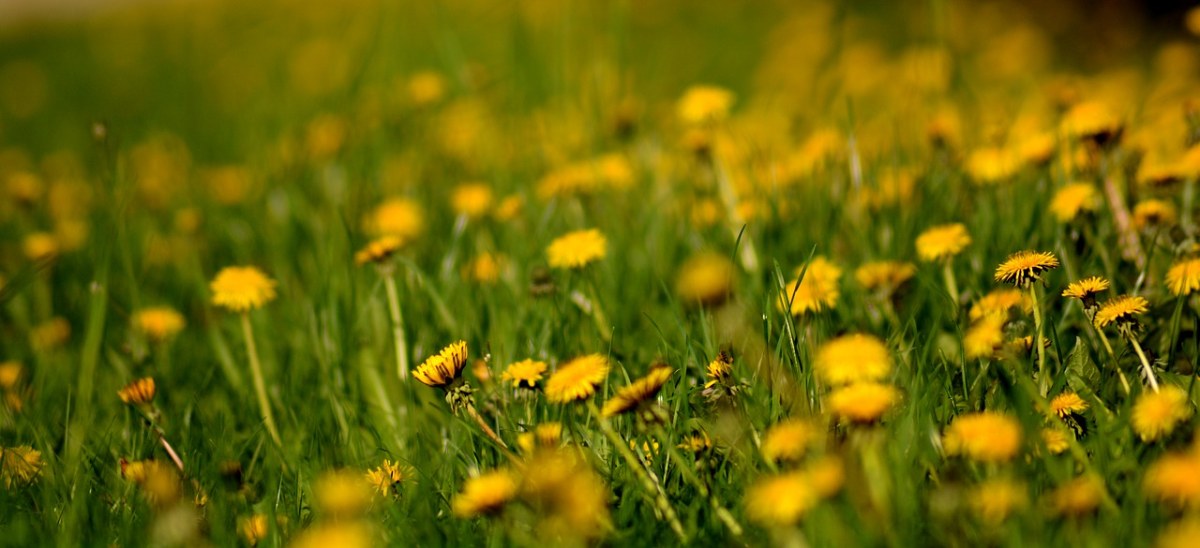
[{"x": 565, "y": 273}]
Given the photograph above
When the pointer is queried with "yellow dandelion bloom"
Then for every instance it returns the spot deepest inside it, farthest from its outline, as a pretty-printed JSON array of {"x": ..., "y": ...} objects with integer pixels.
[
  {"x": 1156, "y": 414},
  {"x": 569, "y": 498},
  {"x": 985, "y": 436},
  {"x": 19, "y": 465},
  {"x": 1068, "y": 403},
  {"x": 719, "y": 369},
  {"x": 1025, "y": 267},
  {"x": 884, "y": 276},
  {"x": 139, "y": 392},
  {"x": 425, "y": 88},
  {"x": 343, "y": 534},
  {"x": 1056, "y": 440},
  {"x": 984, "y": 338},
  {"x": 254, "y": 528},
  {"x": 50, "y": 334},
  {"x": 788, "y": 440},
  {"x": 509, "y": 208},
  {"x": 853, "y": 358},
  {"x": 1086, "y": 288},
  {"x": 525, "y": 373},
  {"x": 863, "y": 402},
  {"x": 1175, "y": 479},
  {"x": 386, "y": 477},
  {"x": 242, "y": 288},
  {"x": 705, "y": 279},
  {"x": 1154, "y": 214},
  {"x": 1078, "y": 497},
  {"x": 40, "y": 246},
  {"x": 942, "y": 242},
  {"x": 1184, "y": 276},
  {"x": 781, "y": 500},
  {"x": 399, "y": 217},
  {"x": 485, "y": 268},
  {"x": 999, "y": 302},
  {"x": 818, "y": 290},
  {"x": 994, "y": 500},
  {"x": 341, "y": 493},
  {"x": 158, "y": 323},
  {"x": 1122, "y": 309},
  {"x": 1183, "y": 533},
  {"x": 443, "y": 368},
  {"x": 1073, "y": 199},
  {"x": 472, "y": 200},
  {"x": 379, "y": 250},
  {"x": 637, "y": 392},
  {"x": 696, "y": 443},
  {"x": 10, "y": 374},
  {"x": 701, "y": 104},
  {"x": 577, "y": 249},
  {"x": 577, "y": 379},
  {"x": 485, "y": 494},
  {"x": 1092, "y": 120},
  {"x": 991, "y": 165}
]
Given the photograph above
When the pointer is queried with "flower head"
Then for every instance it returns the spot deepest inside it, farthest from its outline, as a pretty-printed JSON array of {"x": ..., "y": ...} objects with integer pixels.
[
  {"x": 1068, "y": 403},
  {"x": 986, "y": 436},
  {"x": 1174, "y": 478},
  {"x": 1000, "y": 302},
  {"x": 485, "y": 494},
  {"x": 472, "y": 200},
  {"x": 942, "y": 242},
  {"x": 719, "y": 369},
  {"x": 1055, "y": 439},
  {"x": 139, "y": 392},
  {"x": 242, "y": 288},
  {"x": 525, "y": 373},
  {"x": 853, "y": 358},
  {"x": 863, "y": 402},
  {"x": 19, "y": 465},
  {"x": 399, "y": 217},
  {"x": 1025, "y": 267},
  {"x": 386, "y": 477},
  {"x": 1078, "y": 497},
  {"x": 705, "y": 279},
  {"x": 1156, "y": 414},
  {"x": 996, "y": 499},
  {"x": 1073, "y": 199},
  {"x": 781, "y": 500},
  {"x": 817, "y": 291},
  {"x": 984, "y": 337},
  {"x": 379, "y": 250},
  {"x": 443, "y": 368},
  {"x": 577, "y": 249},
  {"x": 1123, "y": 310},
  {"x": 1184, "y": 276},
  {"x": 341, "y": 493},
  {"x": 159, "y": 323},
  {"x": 637, "y": 392},
  {"x": 10, "y": 373},
  {"x": 1154, "y": 213},
  {"x": 788, "y": 440},
  {"x": 577, "y": 379},
  {"x": 884, "y": 276},
  {"x": 1086, "y": 290},
  {"x": 701, "y": 104}
]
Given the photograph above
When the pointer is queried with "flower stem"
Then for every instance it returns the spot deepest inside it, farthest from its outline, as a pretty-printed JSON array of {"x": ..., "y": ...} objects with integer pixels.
[
  {"x": 1043, "y": 377},
  {"x": 951, "y": 283},
  {"x": 1145, "y": 362},
  {"x": 483, "y": 425},
  {"x": 389, "y": 281},
  {"x": 1113, "y": 355},
  {"x": 601, "y": 320},
  {"x": 260, "y": 387}
]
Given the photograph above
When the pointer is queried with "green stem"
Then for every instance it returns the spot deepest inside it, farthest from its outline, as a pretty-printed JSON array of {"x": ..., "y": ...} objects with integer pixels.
[
  {"x": 1145, "y": 362},
  {"x": 951, "y": 283},
  {"x": 598, "y": 316},
  {"x": 1043, "y": 377},
  {"x": 1113, "y": 356},
  {"x": 393, "y": 295},
  {"x": 260, "y": 386}
]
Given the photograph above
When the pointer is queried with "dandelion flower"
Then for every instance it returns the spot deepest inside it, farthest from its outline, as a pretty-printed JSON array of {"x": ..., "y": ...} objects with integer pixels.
[
  {"x": 40, "y": 246},
  {"x": 705, "y": 279},
  {"x": 1183, "y": 533},
  {"x": 1092, "y": 120},
  {"x": 399, "y": 217},
  {"x": 577, "y": 249},
  {"x": 985, "y": 436},
  {"x": 999, "y": 302},
  {"x": 139, "y": 392},
  {"x": 1154, "y": 214},
  {"x": 701, "y": 104},
  {"x": 1073, "y": 199},
  {"x": 19, "y": 465},
  {"x": 569, "y": 498},
  {"x": 387, "y": 477},
  {"x": 341, "y": 493},
  {"x": 719, "y": 369},
  {"x": 637, "y": 392},
  {"x": 853, "y": 358},
  {"x": 781, "y": 500},
  {"x": 788, "y": 440},
  {"x": 1156, "y": 414},
  {"x": 485, "y": 268},
  {"x": 471, "y": 200},
  {"x": 884, "y": 276},
  {"x": 816, "y": 291},
  {"x": 242, "y": 288},
  {"x": 343, "y": 534},
  {"x": 994, "y": 500},
  {"x": 1025, "y": 267},
  {"x": 253, "y": 528},
  {"x": 577, "y": 379},
  {"x": 984, "y": 338},
  {"x": 1122, "y": 309},
  {"x": 1068, "y": 403},
  {"x": 525, "y": 373},
  {"x": 379, "y": 250},
  {"x": 991, "y": 165},
  {"x": 485, "y": 494},
  {"x": 443, "y": 368},
  {"x": 1086, "y": 289},
  {"x": 942, "y": 242},
  {"x": 1174, "y": 478},
  {"x": 1184, "y": 276},
  {"x": 1078, "y": 497},
  {"x": 50, "y": 334},
  {"x": 696, "y": 443},
  {"x": 159, "y": 323},
  {"x": 10, "y": 373},
  {"x": 863, "y": 402}
]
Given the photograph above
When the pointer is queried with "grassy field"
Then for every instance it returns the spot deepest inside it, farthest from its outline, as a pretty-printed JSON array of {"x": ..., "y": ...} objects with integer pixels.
[{"x": 567, "y": 273}]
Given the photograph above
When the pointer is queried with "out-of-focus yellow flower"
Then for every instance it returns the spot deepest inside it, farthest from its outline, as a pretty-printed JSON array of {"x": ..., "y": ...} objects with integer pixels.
[
  {"x": 343, "y": 534},
  {"x": 884, "y": 276},
  {"x": 341, "y": 493},
  {"x": 1055, "y": 439},
  {"x": 788, "y": 440},
  {"x": 577, "y": 379},
  {"x": 984, "y": 338},
  {"x": 50, "y": 334},
  {"x": 818, "y": 290},
  {"x": 19, "y": 466},
  {"x": 426, "y": 88},
  {"x": 10, "y": 374},
  {"x": 40, "y": 246},
  {"x": 485, "y": 494},
  {"x": 525, "y": 373},
  {"x": 158, "y": 323},
  {"x": 1183, "y": 533},
  {"x": 942, "y": 242},
  {"x": 991, "y": 165},
  {"x": 705, "y": 279},
  {"x": 577, "y": 249},
  {"x": 485, "y": 268},
  {"x": 138, "y": 392},
  {"x": 379, "y": 250},
  {"x": 986, "y": 436},
  {"x": 1000, "y": 302},
  {"x": 509, "y": 208},
  {"x": 994, "y": 500},
  {"x": 387, "y": 477},
  {"x": 472, "y": 200},
  {"x": 862, "y": 402},
  {"x": 569, "y": 498},
  {"x": 781, "y": 500},
  {"x": 254, "y": 528},
  {"x": 24, "y": 187},
  {"x": 325, "y": 135},
  {"x": 703, "y": 103},
  {"x": 399, "y": 217},
  {"x": 1078, "y": 497},
  {"x": 1156, "y": 414},
  {"x": 1073, "y": 199},
  {"x": 229, "y": 185},
  {"x": 242, "y": 288},
  {"x": 1092, "y": 120},
  {"x": 853, "y": 358},
  {"x": 1175, "y": 479},
  {"x": 1153, "y": 213},
  {"x": 1184, "y": 276}
]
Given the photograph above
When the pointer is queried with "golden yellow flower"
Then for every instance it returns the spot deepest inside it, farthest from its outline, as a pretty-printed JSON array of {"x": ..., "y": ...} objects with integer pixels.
[
  {"x": 994, "y": 500},
  {"x": 341, "y": 493},
  {"x": 719, "y": 369},
  {"x": 986, "y": 436},
  {"x": 387, "y": 477},
  {"x": 1183, "y": 533},
  {"x": 991, "y": 165},
  {"x": 853, "y": 358},
  {"x": 788, "y": 440},
  {"x": 399, "y": 217},
  {"x": 242, "y": 288},
  {"x": 781, "y": 500},
  {"x": 984, "y": 338},
  {"x": 509, "y": 208},
  {"x": 40, "y": 246},
  {"x": 577, "y": 379},
  {"x": 485, "y": 268},
  {"x": 158, "y": 323},
  {"x": 1056, "y": 440},
  {"x": 818, "y": 290},
  {"x": 485, "y": 494},
  {"x": 1025, "y": 267},
  {"x": 1156, "y": 414},
  {"x": 472, "y": 200},
  {"x": 50, "y": 334},
  {"x": 1184, "y": 276},
  {"x": 863, "y": 402},
  {"x": 525, "y": 373},
  {"x": 426, "y": 88},
  {"x": 138, "y": 392},
  {"x": 254, "y": 528},
  {"x": 1121, "y": 309},
  {"x": 569, "y": 498},
  {"x": 443, "y": 368},
  {"x": 884, "y": 276},
  {"x": 577, "y": 249},
  {"x": 1175, "y": 479},
  {"x": 1092, "y": 120},
  {"x": 637, "y": 392},
  {"x": 1078, "y": 497},
  {"x": 1068, "y": 403},
  {"x": 701, "y": 104},
  {"x": 1073, "y": 199},
  {"x": 343, "y": 534},
  {"x": 160, "y": 482},
  {"x": 19, "y": 466},
  {"x": 1154, "y": 214},
  {"x": 379, "y": 250},
  {"x": 1086, "y": 289},
  {"x": 10, "y": 373},
  {"x": 705, "y": 279},
  {"x": 696, "y": 443},
  {"x": 942, "y": 242},
  {"x": 999, "y": 302}
]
